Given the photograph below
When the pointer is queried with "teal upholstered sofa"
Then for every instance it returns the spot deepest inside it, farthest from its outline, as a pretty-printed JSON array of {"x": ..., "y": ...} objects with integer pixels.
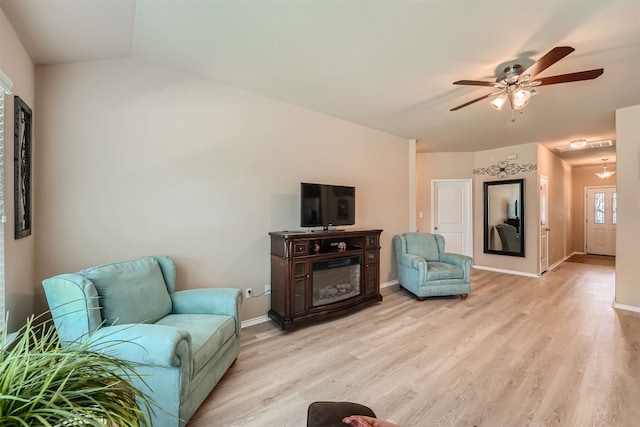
[
  {"x": 426, "y": 270},
  {"x": 186, "y": 340}
]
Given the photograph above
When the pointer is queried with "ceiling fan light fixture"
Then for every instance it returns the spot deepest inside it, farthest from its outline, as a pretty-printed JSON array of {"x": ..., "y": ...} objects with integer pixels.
[
  {"x": 499, "y": 101},
  {"x": 605, "y": 173},
  {"x": 518, "y": 83},
  {"x": 521, "y": 98}
]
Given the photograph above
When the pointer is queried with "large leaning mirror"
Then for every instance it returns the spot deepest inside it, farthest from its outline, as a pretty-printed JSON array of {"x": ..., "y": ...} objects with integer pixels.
[{"x": 504, "y": 217}]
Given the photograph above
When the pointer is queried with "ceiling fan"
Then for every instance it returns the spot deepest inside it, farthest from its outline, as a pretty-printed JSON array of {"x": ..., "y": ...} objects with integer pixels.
[{"x": 517, "y": 85}]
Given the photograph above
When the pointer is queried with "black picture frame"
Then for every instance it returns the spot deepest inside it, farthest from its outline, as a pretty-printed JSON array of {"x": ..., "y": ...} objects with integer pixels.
[{"x": 23, "y": 119}]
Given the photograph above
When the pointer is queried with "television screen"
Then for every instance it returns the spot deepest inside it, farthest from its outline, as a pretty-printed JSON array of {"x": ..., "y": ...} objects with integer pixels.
[{"x": 323, "y": 205}]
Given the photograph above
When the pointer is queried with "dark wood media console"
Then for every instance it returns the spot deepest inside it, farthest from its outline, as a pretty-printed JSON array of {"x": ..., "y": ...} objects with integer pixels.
[{"x": 319, "y": 275}]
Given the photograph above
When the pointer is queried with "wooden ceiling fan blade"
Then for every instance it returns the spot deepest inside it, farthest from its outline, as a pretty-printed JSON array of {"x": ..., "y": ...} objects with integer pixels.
[
  {"x": 473, "y": 101},
  {"x": 571, "y": 77},
  {"x": 474, "y": 83},
  {"x": 553, "y": 56}
]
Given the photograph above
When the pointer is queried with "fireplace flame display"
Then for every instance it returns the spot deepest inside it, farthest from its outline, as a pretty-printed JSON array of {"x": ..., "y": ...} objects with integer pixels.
[{"x": 335, "y": 280}]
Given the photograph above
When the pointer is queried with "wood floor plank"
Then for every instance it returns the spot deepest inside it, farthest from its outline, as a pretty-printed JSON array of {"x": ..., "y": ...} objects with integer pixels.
[{"x": 519, "y": 351}]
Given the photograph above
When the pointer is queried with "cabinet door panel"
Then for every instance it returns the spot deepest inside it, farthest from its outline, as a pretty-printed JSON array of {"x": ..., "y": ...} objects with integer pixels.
[
  {"x": 371, "y": 272},
  {"x": 299, "y": 286},
  {"x": 371, "y": 280},
  {"x": 299, "y": 305}
]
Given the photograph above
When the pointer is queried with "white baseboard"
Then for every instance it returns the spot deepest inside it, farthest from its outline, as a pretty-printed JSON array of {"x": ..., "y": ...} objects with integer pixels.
[
  {"x": 626, "y": 307},
  {"x": 500, "y": 270},
  {"x": 254, "y": 321},
  {"x": 520, "y": 273},
  {"x": 554, "y": 265},
  {"x": 265, "y": 318},
  {"x": 387, "y": 284}
]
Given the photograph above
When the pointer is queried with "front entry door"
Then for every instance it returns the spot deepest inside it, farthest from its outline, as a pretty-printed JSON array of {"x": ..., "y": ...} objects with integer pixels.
[
  {"x": 601, "y": 220},
  {"x": 451, "y": 214}
]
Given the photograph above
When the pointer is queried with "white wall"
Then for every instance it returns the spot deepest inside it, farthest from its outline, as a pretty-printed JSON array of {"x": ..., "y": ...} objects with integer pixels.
[
  {"x": 20, "y": 282},
  {"x": 526, "y": 154},
  {"x": 430, "y": 166},
  {"x": 136, "y": 160},
  {"x": 561, "y": 209},
  {"x": 628, "y": 228}
]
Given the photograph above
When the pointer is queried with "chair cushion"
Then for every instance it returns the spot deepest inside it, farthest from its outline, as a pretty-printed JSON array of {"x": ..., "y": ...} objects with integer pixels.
[
  {"x": 130, "y": 291},
  {"x": 209, "y": 333},
  {"x": 423, "y": 245},
  {"x": 442, "y": 271}
]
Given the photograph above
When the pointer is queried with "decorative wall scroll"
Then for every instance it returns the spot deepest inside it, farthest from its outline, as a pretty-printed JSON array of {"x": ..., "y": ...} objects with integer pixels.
[
  {"x": 504, "y": 168},
  {"x": 22, "y": 167}
]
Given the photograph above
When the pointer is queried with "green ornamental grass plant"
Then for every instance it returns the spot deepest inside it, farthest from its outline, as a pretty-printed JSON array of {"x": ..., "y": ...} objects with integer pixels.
[{"x": 45, "y": 384}]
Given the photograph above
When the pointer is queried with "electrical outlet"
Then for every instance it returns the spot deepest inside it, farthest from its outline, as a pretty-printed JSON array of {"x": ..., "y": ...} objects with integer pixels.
[
  {"x": 267, "y": 289},
  {"x": 248, "y": 293}
]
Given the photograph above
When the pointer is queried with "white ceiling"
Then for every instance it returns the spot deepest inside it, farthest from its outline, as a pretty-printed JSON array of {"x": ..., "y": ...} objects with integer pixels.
[{"x": 388, "y": 64}]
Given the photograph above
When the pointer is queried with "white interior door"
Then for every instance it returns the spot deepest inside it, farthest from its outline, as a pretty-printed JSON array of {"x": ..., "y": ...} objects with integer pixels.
[
  {"x": 544, "y": 223},
  {"x": 601, "y": 207},
  {"x": 451, "y": 214}
]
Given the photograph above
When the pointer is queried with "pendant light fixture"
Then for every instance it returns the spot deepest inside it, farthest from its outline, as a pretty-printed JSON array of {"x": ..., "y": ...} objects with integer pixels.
[{"x": 605, "y": 173}]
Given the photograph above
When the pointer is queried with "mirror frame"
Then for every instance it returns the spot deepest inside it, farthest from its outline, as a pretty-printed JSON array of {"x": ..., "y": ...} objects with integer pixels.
[{"x": 487, "y": 185}]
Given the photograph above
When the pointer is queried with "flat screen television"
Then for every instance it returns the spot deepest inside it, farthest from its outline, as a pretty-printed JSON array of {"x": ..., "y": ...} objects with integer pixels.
[{"x": 323, "y": 205}]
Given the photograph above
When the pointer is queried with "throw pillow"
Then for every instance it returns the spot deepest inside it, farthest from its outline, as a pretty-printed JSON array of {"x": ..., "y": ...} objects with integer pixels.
[{"x": 131, "y": 291}]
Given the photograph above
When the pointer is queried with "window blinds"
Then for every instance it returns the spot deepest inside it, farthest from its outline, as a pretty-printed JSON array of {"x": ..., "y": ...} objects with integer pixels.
[{"x": 5, "y": 88}]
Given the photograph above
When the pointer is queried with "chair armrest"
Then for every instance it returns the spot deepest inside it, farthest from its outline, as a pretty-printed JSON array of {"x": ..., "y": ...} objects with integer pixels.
[
  {"x": 147, "y": 344},
  {"x": 207, "y": 301},
  {"x": 462, "y": 261},
  {"x": 74, "y": 305},
  {"x": 456, "y": 259},
  {"x": 413, "y": 261},
  {"x": 223, "y": 301}
]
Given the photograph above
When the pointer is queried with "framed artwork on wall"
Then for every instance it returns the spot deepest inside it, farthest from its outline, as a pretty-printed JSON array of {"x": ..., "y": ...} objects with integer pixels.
[{"x": 22, "y": 167}]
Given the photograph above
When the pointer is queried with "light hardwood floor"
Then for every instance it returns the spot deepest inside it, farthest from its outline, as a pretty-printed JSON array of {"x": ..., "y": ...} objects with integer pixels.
[{"x": 520, "y": 351}]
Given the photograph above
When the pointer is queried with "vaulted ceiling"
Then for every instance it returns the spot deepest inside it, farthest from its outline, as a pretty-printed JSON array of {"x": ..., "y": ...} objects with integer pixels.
[{"x": 387, "y": 64}]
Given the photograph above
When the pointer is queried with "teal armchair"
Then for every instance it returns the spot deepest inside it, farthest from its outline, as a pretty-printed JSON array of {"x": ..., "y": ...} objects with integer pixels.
[
  {"x": 426, "y": 270},
  {"x": 183, "y": 341}
]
